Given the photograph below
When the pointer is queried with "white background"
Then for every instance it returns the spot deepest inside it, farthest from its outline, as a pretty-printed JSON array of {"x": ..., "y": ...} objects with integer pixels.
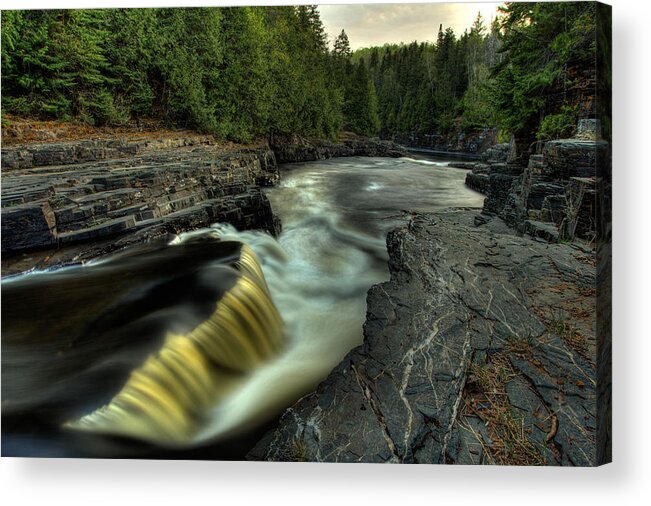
[{"x": 625, "y": 482}]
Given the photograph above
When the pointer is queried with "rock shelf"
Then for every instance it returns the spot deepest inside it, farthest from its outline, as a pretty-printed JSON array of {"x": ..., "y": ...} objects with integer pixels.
[
  {"x": 480, "y": 349},
  {"x": 55, "y": 195}
]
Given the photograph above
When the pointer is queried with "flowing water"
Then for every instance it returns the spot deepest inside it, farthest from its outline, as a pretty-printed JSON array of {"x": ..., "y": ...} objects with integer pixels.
[{"x": 187, "y": 348}]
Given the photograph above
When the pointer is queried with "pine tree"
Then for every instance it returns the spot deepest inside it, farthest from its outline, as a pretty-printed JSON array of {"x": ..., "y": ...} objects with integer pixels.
[
  {"x": 362, "y": 117},
  {"x": 342, "y": 46},
  {"x": 78, "y": 36},
  {"x": 538, "y": 53},
  {"x": 35, "y": 77},
  {"x": 241, "y": 95},
  {"x": 129, "y": 54}
]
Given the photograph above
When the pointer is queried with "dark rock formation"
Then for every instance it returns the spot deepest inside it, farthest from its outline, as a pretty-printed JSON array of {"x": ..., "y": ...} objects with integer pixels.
[
  {"x": 554, "y": 195},
  {"x": 480, "y": 349},
  {"x": 456, "y": 142},
  {"x": 496, "y": 154},
  {"x": 462, "y": 165},
  {"x": 297, "y": 149},
  {"x": 567, "y": 158},
  {"x": 499, "y": 192},
  {"x": 91, "y": 191},
  {"x": 74, "y": 152},
  {"x": 540, "y": 229},
  {"x": 29, "y": 225},
  {"x": 78, "y": 200},
  {"x": 478, "y": 182}
]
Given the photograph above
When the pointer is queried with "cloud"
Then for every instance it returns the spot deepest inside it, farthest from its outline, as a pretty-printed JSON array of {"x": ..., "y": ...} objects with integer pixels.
[{"x": 376, "y": 24}]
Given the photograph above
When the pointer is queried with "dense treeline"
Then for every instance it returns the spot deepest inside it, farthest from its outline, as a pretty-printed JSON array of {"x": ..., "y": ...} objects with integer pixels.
[
  {"x": 428, "y": 87},
  {"x": 529, "y": 71},
  {"x": 235, "y": 72},
  {"x": 548, "y": 77},
  {"x": 247, "y": 72}
]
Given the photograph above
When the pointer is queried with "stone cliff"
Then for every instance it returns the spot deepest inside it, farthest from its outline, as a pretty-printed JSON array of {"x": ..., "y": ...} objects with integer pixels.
[
  {"x": 78, "y": 200},
  {"x": 554, "y": 193},
  {"x": 455, "y": 143},
  {"x": 299, "y": 149}
]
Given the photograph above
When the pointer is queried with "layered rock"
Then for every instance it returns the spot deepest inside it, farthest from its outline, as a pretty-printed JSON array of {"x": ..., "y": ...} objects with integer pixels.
[
  {"x": 480, "y": 349},
  {"x": 554, "y": 196},
  {"x": 85, "y": 192},
  {"x": 78, "y": 200},
  {"x": 455, "y": 143},
  {"x": 478, "y": 182},
  {"x": 91, "y": 150},
  {"x": 567, "y": 158},
  {"x": 496, "y": 154}
]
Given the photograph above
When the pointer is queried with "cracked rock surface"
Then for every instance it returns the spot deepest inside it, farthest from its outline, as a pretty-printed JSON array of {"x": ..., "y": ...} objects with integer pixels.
[{"x": 479, "y": 349}]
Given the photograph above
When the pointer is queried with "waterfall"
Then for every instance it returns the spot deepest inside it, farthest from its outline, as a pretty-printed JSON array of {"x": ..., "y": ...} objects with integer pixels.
[
  {"x": 195, "y": 342},
  {"x": 166, "y": 400}
]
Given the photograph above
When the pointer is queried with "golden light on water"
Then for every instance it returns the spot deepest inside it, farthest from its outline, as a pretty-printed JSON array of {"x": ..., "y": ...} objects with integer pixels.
[{"x": 165, "y": 401}]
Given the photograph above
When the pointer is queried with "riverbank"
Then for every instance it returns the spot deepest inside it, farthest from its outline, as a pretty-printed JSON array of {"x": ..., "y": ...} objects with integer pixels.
[
  {"x": 481, "y": 349},
  {"x": 74, "y": 200}
]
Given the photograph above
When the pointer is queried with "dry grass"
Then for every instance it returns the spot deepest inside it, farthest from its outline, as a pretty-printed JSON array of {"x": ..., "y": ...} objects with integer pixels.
[
  {"x": 298, "y": 452},
  {"x": 560, "y": 323},
  {"x": 486, "y": 398},
  {"x": 16, "y": 130},
  {"x": 588, "y": 259},
  {"x": 587, "y": 291},
  {"x": 522, "y": 346}
]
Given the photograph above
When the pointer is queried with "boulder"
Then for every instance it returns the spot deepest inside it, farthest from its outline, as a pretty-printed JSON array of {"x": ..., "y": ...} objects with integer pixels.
[
  {"x": 542, "y": 189},
  {"x": 568, "y": 158},
  {"x": 478, "y": 182},
  {"x": 496, "y": 153},
  {"x": 28, "y": 226},
  {"x": 541, "y": 230}
]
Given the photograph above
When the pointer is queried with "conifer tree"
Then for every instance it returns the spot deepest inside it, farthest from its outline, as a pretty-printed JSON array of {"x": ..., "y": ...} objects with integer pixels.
[
  {"x": 362, "y": 103},
  {"x": 342, "y": 46},
  {"x": 541, "y": 42}
]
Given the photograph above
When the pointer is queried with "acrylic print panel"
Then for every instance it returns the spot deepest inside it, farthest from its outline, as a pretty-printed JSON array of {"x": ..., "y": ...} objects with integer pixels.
[{"x": 351, "y": 233}]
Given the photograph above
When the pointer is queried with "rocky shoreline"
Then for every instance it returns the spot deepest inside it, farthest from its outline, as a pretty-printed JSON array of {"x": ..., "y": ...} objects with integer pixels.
[
  {"x": 297, "y": 149},
  {"x": 560, "y": 192},
  {"x": 490, "y": 344},
  {"x": 482, "y": 347},
  {"x": 479, "y": 350},
  {"x": 69, "y": 202}
]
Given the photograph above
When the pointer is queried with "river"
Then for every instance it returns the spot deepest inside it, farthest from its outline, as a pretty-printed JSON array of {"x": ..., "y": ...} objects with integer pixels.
[{"x": 65, "y": 385}]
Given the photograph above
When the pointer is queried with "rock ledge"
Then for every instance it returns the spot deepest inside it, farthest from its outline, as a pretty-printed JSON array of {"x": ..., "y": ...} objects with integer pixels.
[{"x": 480, "y": 349}]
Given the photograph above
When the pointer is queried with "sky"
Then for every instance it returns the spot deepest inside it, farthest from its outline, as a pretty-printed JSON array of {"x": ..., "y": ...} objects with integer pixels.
[
  {"x": 366, "y": 24},
  {"x": 375, "y": 24}
]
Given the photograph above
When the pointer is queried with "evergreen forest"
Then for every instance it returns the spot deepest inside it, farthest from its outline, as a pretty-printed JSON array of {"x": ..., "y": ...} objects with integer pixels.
[{"x": 250, "y": 72}]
